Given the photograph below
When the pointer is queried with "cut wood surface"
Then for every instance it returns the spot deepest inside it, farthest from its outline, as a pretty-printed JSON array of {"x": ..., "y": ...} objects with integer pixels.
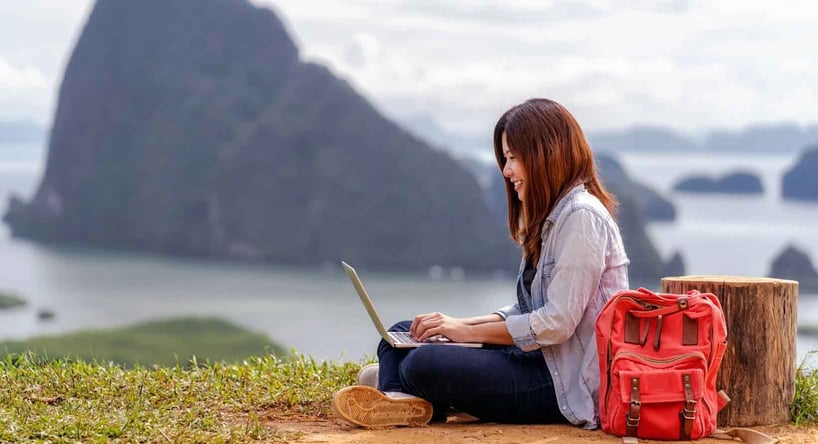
[{"x": 758, "y": 370}]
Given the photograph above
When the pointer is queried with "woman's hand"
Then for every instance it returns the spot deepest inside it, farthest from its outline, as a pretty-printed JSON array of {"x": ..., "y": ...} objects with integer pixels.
[{"x": 427, "y": 325}]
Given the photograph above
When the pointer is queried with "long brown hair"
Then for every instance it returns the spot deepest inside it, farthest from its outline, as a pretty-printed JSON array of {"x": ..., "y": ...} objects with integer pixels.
[{"x": 548, "y": 141}]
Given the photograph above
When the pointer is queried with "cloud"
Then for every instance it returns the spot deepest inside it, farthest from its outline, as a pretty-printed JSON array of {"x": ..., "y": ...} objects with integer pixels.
[
  {"x": 36, "y": 38},
  {"x": 688, "y": 64},
  {"x": 24, "y": 92},
  {"x": 17, "y": 79},
  {"x": 524, "y": 11}
]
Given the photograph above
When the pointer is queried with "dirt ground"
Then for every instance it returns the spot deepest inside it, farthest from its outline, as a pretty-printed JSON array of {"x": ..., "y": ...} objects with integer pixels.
[{"x": 466, "y": 430}]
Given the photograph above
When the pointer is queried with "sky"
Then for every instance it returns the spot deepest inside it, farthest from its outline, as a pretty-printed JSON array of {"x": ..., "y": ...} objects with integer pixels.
[{"x": 686, "y": 64}]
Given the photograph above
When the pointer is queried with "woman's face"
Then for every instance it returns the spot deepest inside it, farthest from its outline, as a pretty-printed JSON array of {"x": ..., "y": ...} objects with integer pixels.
[{"x": 514, "y": 170}]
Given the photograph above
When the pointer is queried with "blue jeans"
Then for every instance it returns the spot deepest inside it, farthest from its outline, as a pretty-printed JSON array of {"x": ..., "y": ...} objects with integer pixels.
[{"x": 496, "y": 383}]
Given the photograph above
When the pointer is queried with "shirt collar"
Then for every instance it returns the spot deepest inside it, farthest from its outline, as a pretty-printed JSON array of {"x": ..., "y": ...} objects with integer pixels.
[{"x": 555, "y": 213}]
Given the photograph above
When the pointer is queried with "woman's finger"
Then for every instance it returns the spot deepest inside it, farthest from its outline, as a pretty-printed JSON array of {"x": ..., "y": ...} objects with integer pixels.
[
  {"x": 414, "y": 327},
  {"x": 429, "y": 333},
  {"x": 422, "y": 327}
]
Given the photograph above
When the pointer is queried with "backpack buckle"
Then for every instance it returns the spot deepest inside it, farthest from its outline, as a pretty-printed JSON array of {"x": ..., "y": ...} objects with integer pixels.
[
  {"x": 689, "y": 413},
  {"x": 632, "y": 422}
]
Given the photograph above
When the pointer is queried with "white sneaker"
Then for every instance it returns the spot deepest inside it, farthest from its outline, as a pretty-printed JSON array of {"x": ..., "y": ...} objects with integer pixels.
[
  {"x": 368, "y": 375},
  {"x": 369, "y": 407}
]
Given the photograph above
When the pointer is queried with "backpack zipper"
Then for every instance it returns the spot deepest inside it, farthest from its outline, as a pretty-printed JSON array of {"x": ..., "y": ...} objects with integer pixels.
[
  {"x": 642, "y": 357},
  {"x": 645, "y": 305}
]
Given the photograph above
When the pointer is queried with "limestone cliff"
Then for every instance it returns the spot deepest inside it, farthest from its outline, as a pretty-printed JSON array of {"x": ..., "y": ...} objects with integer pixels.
[{"x": 191, "y": 127}]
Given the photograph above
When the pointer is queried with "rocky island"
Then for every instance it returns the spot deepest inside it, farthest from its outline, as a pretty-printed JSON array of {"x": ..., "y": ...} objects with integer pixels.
[
  {"x": 796, "y": 265},
  {"x": 205, "y": 135},
  {"x": 801, "y": 181},
  {"x": 741, "y": 182}
]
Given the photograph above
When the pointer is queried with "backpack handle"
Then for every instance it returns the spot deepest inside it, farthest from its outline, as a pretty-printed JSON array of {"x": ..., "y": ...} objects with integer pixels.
[
  {"x": 659, "y": 311},
  {"x": 647, "y": 292},
  {"x": 680, "y": 303}
]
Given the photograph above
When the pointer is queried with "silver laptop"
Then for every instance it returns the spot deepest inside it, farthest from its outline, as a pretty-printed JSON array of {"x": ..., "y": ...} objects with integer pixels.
[{"x": 397, "y": 339}]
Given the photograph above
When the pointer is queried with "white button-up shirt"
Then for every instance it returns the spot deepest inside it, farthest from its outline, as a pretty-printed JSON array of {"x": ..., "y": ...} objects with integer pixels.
[{"x": 582, "y": 263}]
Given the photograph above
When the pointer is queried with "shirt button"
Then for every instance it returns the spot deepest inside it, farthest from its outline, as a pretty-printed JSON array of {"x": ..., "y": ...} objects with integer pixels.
[
  {"x": 556, "y": 373},
  {"x": 565, "y": 408}
]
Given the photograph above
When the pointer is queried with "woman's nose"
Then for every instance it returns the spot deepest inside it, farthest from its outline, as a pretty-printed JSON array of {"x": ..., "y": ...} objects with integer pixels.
[{"x": 506, "y": 170}]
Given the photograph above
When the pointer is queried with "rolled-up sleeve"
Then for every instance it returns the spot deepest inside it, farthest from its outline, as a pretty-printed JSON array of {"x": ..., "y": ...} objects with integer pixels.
[
  {"x": 508, "y": 310},
  {"x": 519, "y": 327},
  {"x": 580, "y": 255}
]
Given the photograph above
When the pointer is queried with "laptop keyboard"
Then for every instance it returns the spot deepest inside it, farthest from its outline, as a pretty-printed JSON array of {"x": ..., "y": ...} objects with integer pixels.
[{"x": 402, "y": 337}]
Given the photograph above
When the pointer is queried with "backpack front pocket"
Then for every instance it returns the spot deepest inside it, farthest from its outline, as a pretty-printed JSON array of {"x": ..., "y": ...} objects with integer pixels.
[{"x": 658, "y": 398}]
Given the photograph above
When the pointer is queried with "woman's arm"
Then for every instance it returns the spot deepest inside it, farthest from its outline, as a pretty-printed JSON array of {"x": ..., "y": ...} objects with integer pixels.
[
  {"x": 580, "y": 260},
  {"x": 489, "y": 329},
  {"x": 494, "y": 317}
]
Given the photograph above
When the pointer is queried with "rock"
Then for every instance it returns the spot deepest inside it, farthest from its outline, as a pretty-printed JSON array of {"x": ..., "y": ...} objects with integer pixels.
[
  {"x": 675, "y": 266},
  {"x": 733, "y": 183},
  {"x": 794, "y": 264},
  {"x": 45, "y": 314},
  {"x": 192, "y": 128},
  {"x": 801, "y": 182},
  {"x": 651, "y": 204},
  {"x": 646, "y": 267}
]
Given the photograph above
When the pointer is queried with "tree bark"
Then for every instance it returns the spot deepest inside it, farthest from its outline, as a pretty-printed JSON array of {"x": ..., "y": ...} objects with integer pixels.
[{"x": 758, "y": 370}]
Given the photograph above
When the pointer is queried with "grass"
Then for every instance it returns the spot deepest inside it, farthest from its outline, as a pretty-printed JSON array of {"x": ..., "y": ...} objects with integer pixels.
[
  {"x": 164, "y": 342},
  {"x": 804, "y": 408},
  {"x": 9, "y": 300},
  {"x": 62, "y": 401}
]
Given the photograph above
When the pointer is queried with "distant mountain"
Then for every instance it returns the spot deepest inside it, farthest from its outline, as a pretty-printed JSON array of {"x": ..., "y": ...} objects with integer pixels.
[
  {"x": 460, "y": 144},
  {"x": 801, "y": 181},
  {"x": 781, "y": 138},
  {"x": 191, "y": 127},
  {"x": 732, "y": 183},
  {"x": 641, "y": 138},
  {"x": 21, "y": 132}
]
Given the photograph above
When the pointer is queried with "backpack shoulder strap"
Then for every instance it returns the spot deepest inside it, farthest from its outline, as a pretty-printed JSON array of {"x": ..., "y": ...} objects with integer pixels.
[{"x": 749, "y": 436}]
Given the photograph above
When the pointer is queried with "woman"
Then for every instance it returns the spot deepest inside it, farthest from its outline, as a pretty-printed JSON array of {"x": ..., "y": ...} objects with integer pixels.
[{"x": 539, "y": 364}]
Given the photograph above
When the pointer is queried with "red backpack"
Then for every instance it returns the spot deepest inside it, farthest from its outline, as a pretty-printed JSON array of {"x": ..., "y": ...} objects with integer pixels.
[{"x": 658, "y": 356}]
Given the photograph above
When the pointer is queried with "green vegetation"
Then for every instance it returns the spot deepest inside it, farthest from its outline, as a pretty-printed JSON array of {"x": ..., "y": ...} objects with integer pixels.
[
  {"x": 165, "y": 342},
  {"x": 804, "y": 408},
  {"x": 61, "y": 401},
  {"x": 10, "y": 300}
]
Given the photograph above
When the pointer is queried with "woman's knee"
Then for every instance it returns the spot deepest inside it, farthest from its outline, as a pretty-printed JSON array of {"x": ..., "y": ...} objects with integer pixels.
[{"x": 423, "y": 365}]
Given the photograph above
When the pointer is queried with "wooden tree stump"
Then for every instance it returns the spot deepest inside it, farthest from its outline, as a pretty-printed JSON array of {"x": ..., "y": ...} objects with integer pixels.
[{"x": 758, "y": 370}]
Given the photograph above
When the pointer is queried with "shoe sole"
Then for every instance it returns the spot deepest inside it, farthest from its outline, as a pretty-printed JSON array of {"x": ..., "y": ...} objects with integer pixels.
[{"x": 368, "y": 407}]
